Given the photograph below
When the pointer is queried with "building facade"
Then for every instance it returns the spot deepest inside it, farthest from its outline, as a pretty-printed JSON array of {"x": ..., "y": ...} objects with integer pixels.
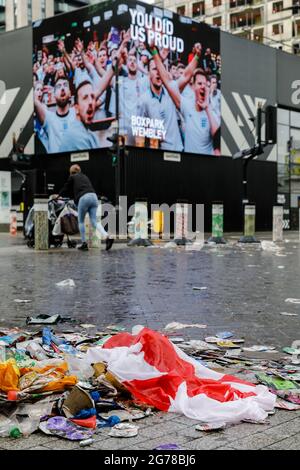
[
  {"x": 274, "y": 23},
  {"x": 19, "y": 13}
]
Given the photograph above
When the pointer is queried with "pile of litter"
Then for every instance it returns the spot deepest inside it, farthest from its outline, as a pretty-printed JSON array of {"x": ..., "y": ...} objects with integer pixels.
[{"x": 72, "y": 384}]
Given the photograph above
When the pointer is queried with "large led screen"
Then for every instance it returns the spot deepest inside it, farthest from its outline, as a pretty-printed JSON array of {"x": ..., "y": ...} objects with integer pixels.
[{"x": 169, "y": 70}]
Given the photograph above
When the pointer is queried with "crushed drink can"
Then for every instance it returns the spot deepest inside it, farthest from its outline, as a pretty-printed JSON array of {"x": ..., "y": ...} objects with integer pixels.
[{"x": 210, "y": 426}]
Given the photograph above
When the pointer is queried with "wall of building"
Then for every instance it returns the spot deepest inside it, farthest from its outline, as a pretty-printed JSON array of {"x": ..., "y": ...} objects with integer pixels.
[
  {"x": 267, "y": 21},
  {"x": 16, "y": 106}
]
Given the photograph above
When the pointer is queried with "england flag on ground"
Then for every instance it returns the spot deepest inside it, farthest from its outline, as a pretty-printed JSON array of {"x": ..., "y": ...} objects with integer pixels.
[{"x": 159, "y": 374}]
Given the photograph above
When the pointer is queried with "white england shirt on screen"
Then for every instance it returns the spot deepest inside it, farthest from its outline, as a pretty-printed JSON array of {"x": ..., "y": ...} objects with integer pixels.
[
  {"x": 162, "y": 107},
  {"x": 56, "y": 127},
  {"x": 79, "y": 137},
  {"x": 215, "y": 101},
  {"x": 198, "y": 138},
  {"x": 80, "y": 75},
  {"x": 130, "y": 94}
]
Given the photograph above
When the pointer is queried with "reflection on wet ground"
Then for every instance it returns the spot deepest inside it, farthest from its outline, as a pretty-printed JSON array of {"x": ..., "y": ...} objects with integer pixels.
[{"x": 246, "y": 289}]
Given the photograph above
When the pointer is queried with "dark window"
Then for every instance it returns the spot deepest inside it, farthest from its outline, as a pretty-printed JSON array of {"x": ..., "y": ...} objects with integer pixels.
[
  {"x": 217, "y": 21},
  {"x": 198, "y": 9},
  {"x": 277, "y": 28},
  {"x": 181, "y": 10},
  {"x": 277, "y": 7}
]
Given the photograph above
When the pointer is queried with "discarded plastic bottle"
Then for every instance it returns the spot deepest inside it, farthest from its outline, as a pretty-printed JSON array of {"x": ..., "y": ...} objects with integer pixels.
[
  {"x": 9, "y": 428},
  {"x": 36, "y": 352},
  {"x": 86, "y": 442},
  {"x": 15, "y": 433}
]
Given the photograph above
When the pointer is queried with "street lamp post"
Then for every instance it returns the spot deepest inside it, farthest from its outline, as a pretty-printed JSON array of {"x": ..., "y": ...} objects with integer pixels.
[
  {"x": 248, "y": 155},
  {"x": 118, "y": 164}
]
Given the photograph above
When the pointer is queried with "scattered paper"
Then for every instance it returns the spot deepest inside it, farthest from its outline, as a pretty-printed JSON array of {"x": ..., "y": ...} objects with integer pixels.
[
  {"x": 201, "y": 345},
  {"x": 226, "y": 343},
  {"x": 168, "y": 447},
  {"x": 177, "y": 339},
  {"x": 224, "y": 335},
  {"x": 210, "y": 426},
  {"x": 291, "y": 351},
  {"x": 287, "y": 314},
  {"x": 286, "y": 405},
  {"x": 43, "y": 320},
  {"x": 259, "y": 348},
  {"x": 66, "y": 283},
  {"x": 293, "y": 301},
  {"x": 180, "y": 326},
  {"x": 124, "y": 430}
]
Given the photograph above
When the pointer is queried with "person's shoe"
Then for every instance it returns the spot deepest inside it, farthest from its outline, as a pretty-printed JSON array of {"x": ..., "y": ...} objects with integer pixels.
[
  {"x": 83, "y": 247},
  {"x": 109, "y": 243}
]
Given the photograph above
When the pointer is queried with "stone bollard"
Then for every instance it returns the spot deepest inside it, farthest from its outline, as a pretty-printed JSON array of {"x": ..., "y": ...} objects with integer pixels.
[
  {"x": 277, "y": 224},
  {"x": 140, "y": 225},
  {"x": 41, "y": 224},
  {"x": 217, "y": 224},
  {"x": 249, "y": 225}
]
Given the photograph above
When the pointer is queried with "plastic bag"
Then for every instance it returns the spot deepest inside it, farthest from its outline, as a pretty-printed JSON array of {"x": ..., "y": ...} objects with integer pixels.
[
  {"x": 9, "y": 376},
  {"x": 69, "y": 224},
  {"x": 79, "y": 368}
]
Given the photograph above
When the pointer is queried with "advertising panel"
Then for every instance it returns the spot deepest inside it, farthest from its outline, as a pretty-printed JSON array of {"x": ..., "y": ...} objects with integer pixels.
[
  {"x": 16, "y": 106},
  {"x": 5, "y": 197},
  {"x": 169, "y": 70}
]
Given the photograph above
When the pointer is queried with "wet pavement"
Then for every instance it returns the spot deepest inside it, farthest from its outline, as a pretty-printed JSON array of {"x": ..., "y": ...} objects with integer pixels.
[{"x": 246, "y": 289}]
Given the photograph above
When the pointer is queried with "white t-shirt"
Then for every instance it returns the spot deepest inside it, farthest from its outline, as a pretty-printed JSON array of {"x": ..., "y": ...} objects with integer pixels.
[
  {"x": 79, "y": 137},
  {"x": 82, "y": 75},
  {"x": 130, "y": 94},
  {"x": 163, "y": 108},
  {"x": 56, "y": 126},
  {"x": 188, "y": 92},
  {"x": 215, "y": 101},
  {"x": 198, "y": 138}
]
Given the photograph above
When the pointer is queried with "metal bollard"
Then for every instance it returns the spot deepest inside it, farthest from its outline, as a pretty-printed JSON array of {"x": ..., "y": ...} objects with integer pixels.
[
  {"x": 217, "y": 224},
  {"x": 181, "y": 224},
  {"x": 249, "y": 225},
  {"x": 278, "y": 223},
  {"x": 41, "y": 224},
  {"x": 140, "y": 225},
  {"x": 158, "y": 223}
]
